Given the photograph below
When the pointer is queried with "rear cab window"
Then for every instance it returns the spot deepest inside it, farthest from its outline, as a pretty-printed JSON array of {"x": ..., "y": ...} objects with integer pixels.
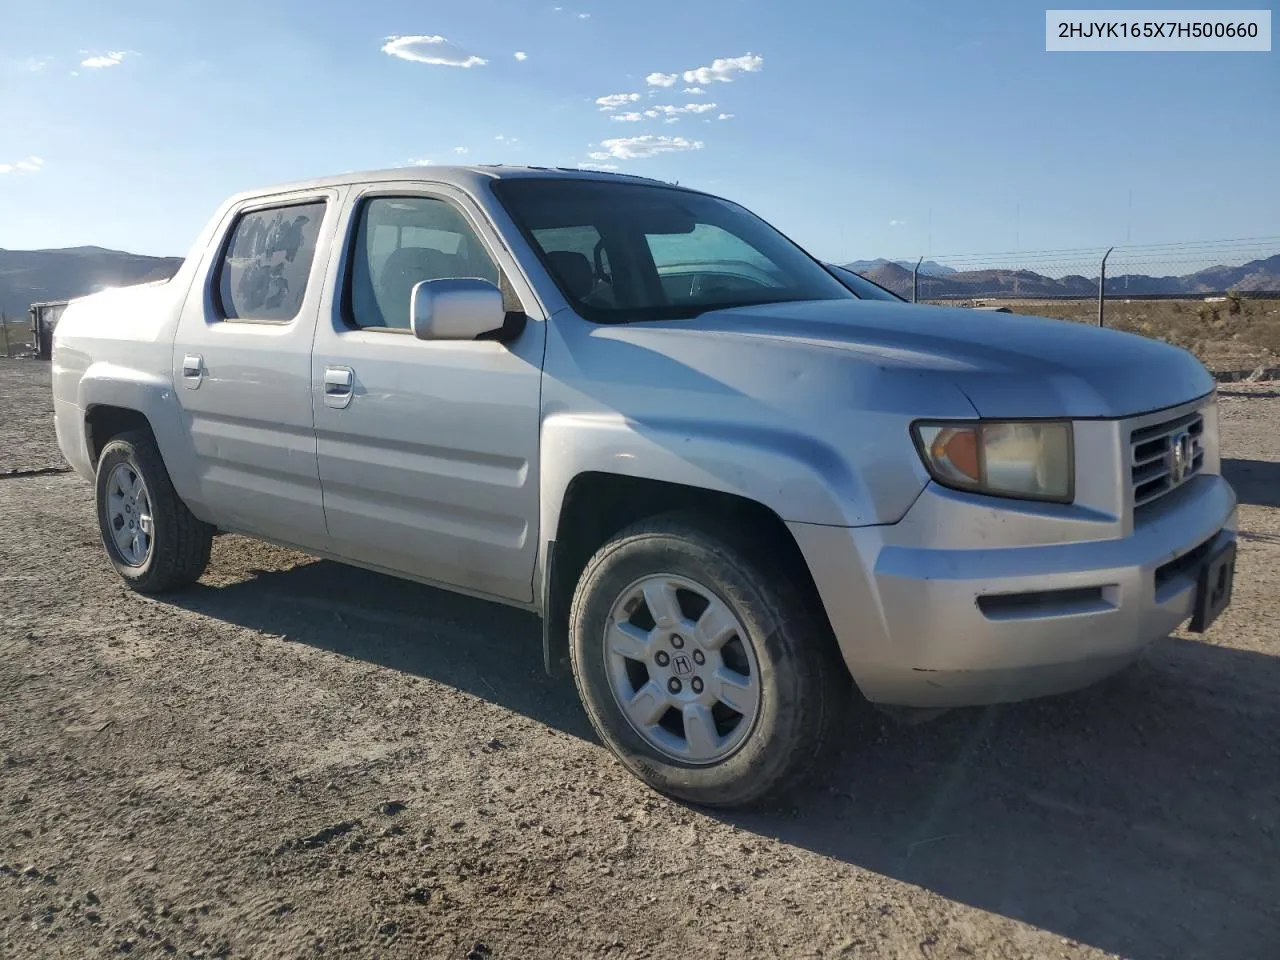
[{"x": 265, "y": 265}]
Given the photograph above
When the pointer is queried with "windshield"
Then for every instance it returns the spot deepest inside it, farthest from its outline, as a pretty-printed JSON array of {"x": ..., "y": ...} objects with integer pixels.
[{"x": 622, "y": 251}]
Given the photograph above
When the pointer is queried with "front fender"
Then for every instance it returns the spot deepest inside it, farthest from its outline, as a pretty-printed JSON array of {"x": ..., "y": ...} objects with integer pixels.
[
  {"x": 800, "y": 478},
  {"x": 105, "y": 383}
]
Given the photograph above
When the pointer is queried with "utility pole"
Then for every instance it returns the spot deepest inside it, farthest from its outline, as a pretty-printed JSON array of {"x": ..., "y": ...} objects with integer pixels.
[{"x": 4, "y": 324}]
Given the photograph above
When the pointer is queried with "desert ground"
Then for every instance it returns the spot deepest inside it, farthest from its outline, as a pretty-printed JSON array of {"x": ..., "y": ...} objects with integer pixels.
[{"x": 299, "y": 759}]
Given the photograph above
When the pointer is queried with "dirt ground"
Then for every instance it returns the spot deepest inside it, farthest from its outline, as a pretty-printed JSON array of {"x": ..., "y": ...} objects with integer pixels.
[{"x": 297, "y": 759}]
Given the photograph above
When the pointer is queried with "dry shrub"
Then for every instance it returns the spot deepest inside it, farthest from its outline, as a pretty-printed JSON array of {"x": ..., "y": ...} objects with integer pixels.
[{"x": 1265, "y": 334}]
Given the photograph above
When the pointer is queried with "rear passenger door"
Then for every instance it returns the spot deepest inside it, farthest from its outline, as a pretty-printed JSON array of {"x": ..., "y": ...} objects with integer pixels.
[
  {"x": 428, "y": 450},
  {"x": 242, "y": 367}
]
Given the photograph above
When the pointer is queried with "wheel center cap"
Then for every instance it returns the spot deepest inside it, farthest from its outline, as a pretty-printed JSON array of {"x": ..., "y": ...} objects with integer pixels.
[{"x": 681, "y": 665}]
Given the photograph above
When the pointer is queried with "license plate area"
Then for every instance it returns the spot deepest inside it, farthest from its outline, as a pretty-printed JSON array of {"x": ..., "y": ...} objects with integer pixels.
[{"x": 1213, "y": 587}]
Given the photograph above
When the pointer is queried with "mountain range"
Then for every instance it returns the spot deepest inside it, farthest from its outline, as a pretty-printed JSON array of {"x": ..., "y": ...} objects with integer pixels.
[
  {"x": 29, "y": 276},
  {"x": 1254, "y": 276},
  {"x": 927, "y": 267}
]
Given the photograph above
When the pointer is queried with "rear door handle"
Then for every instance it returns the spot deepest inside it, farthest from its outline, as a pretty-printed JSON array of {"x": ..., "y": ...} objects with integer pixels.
[
  {"x": 193, "y": 370},
  {"x": 339, "y": 383}
]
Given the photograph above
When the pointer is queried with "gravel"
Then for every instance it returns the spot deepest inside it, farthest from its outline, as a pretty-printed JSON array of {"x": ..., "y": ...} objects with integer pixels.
[
  {"x": 27, "y": 442},
  {"x": 297, "y": 759}
]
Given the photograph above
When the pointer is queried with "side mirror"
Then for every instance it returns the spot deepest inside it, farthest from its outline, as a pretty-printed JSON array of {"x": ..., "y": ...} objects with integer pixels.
[{"x": 455, "y": 309}]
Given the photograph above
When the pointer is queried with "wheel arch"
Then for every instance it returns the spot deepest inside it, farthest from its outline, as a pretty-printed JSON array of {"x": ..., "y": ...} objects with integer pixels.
[
  {"x": 598, "y": 504},
  {"x": 104, "y": 421}
]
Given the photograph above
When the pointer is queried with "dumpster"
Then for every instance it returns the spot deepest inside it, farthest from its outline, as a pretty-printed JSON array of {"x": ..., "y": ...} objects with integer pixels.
[{"x": 44, "y": 317}]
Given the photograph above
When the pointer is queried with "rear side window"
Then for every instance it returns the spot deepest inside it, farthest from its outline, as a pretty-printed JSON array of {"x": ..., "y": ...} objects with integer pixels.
[{"x": 264, "y": 269}]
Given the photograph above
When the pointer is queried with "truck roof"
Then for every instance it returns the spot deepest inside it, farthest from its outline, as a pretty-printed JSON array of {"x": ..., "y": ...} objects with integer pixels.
[{"x": 465, "y": 177}]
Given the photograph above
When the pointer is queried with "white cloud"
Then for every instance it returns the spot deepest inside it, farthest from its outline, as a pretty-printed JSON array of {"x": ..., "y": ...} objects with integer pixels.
[
  {"x": 722, "y": 70},
  {"x": 695, "y": 91},
  {"x": 671, "y": 120},
  {"x": 615, "y": 100},
  {"x": 597, "y": 166},
  {"x": 631, "y": 148},
  {"x": 662, "y": 79},
  {"x": 671, "y": 111},
  {"x": 897, "y": 223},
  {"x": 111, "y": 59},
  {"x": 459, "y": 149},
  {"x": 583, "y": 16},
  {"x": 628, "y": 117},
  {"x": 29, "y": 165},
  {"x": 725, "y": 116},
  {"x": 521, "y": 55},
  {"x": 433, "y": 50}
]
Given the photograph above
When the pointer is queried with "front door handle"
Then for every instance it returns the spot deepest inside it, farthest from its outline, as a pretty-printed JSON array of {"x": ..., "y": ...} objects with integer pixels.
[
  {"x": 339, "y": 384},
  {"x": 193, "y": 370}
]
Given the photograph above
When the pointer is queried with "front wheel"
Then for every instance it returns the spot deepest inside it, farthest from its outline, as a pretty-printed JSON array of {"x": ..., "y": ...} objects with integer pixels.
[
  {"x": 701, "y": 666},
  {"x": 154, "y": 542}
]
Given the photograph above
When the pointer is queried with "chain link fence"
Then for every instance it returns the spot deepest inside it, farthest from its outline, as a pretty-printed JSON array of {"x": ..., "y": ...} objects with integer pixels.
[{"x": 1219, "y": 299}]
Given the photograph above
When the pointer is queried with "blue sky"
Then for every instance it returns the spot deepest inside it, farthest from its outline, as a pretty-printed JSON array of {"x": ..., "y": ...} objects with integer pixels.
[{"x": 860, "y": 129}]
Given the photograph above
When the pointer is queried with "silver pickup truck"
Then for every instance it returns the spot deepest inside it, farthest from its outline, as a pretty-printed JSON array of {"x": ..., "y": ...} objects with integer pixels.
[{"x": 726, "y": 482}]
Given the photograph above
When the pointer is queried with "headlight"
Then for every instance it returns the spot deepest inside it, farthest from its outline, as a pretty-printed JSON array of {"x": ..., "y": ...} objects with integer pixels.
[{"x": 1031, "y": 460}]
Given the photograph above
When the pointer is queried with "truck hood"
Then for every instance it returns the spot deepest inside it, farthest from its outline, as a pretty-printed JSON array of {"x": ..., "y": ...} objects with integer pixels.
[{"x": 1006, "y": 364}]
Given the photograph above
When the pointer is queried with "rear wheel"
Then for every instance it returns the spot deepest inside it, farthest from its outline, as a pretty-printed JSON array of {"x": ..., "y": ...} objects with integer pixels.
[
  {"x": 152, "y": 539},
  {"x": 700, "y": 665}
]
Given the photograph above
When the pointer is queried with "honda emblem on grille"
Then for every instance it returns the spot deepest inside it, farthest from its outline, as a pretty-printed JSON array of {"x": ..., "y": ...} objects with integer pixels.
[{"x": 1181, "y": 454}]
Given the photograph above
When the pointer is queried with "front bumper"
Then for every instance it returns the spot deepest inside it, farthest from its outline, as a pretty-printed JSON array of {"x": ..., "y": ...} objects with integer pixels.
[{"x": 966, "y": 624}]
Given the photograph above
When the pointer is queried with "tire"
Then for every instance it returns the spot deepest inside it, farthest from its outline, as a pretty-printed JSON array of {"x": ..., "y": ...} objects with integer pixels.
[
  {"x": 176, "y": 551},
  {"x": 776, "y": 636}
]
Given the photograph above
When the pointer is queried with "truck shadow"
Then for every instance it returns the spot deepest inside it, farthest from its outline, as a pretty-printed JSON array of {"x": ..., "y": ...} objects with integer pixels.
[
  {"x": 486, "y": 649},
  {"x": 1139, "y": 817},
  {"x": 1256, "y": 482}
]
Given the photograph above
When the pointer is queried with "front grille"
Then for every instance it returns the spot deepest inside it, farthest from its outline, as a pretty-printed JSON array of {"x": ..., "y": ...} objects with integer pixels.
[{"x": 1165, "y": 455}]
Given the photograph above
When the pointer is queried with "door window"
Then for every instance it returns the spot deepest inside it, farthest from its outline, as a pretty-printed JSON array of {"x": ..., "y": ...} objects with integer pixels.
[{"x": 400, "y": 241}]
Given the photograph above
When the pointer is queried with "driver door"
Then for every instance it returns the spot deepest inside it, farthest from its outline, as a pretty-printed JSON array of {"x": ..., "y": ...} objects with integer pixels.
[{"x": 427, "y": 450}]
